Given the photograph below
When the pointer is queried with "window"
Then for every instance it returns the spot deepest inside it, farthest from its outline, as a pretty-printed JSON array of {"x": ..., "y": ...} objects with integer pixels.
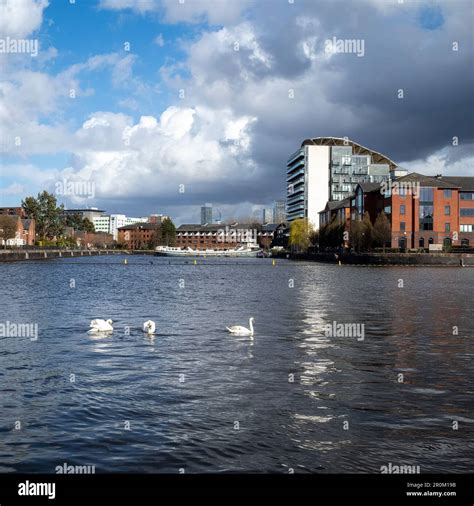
[
  {"x": 422, "y": 242},
  {"x": 447, "y": 210},
  {"x": 426, "y": 217},
  {"x": 466, "y": 228},
  {"x": 402, "y": 209},
  {"x": 464, "y": 242},
  {"x": 387, "y": 209},
  {"x": 447, "y": 227},
  {"x": 467, "y": 195},
  {"x": 467, "y": 211},
  {"x": 430, "y": 240},
  {"x": 447, "y": 194},
  {"x": 426, "y": 196},
  {"x": 402, "y": 226}
]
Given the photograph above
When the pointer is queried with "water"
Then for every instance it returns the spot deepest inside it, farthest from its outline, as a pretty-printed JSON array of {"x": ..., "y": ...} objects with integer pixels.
[{"x": 199, "y": 399}]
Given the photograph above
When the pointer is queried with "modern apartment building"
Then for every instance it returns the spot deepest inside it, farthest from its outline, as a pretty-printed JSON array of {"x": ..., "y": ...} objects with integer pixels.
[
  {"x": 329, "y": 169},
  {"x": 111, "y": 223},
  {"x": 90, "y": 212}
]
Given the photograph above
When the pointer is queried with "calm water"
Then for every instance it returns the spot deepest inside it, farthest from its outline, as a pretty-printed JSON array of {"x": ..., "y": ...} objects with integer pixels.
[{"x": 191, "y": 424}]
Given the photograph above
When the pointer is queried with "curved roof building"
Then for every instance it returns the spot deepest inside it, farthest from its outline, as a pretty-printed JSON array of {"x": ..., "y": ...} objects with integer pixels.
[{"x": 329, "y": 169}]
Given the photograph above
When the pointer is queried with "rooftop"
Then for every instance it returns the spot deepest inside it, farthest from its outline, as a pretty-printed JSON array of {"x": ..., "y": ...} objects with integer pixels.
[
  {"x": 431, "y": 181},
  {"x": 357, "y": 148}
]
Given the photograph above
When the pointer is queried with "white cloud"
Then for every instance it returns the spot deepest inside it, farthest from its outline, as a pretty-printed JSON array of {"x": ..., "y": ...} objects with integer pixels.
[
  {"x": 20, "y": 18},
  {"x": 188, "y": 11},
  {"x": 159, "y": 40},
  {"x": 13, "y": 189},
  {"x": 446, "y": 161}
]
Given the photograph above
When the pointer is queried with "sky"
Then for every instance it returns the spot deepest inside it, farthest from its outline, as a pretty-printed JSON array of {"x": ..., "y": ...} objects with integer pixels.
[{"x": 159, "y": 106}]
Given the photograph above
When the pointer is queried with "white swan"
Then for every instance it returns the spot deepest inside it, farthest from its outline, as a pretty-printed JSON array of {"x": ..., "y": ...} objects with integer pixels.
[
  {"x": 101, "y": 326},
  {"x": 238, "y": 330},
  {"x": 149, "y": 327}
]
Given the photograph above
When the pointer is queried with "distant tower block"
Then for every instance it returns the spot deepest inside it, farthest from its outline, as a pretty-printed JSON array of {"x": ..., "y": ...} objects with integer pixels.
[{"x": 206, "y": 214}]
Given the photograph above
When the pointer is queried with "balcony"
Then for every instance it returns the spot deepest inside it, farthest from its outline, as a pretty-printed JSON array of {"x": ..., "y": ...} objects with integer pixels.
[{"x": 299, "y": 172}]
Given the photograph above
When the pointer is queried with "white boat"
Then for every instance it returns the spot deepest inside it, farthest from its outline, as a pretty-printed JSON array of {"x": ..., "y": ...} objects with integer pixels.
[{"x": 243, "y": 251}]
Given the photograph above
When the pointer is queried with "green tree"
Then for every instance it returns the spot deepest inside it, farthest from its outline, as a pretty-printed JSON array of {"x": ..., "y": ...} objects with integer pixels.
[
  {"x": 77, "y": 222},
  {"x": 356, "y": 234},
  {"x": 168, "y": 233},
  {"x": 367, "y": 232},
  {"x": 335, "y": 233},
  {"x": 382, "y": 232},
  {"x": 7, "y": 228},
  {"x": 300, "y": 233},
  {"x": 46, "y": 213},
  {"x": 87, "y": 226}
]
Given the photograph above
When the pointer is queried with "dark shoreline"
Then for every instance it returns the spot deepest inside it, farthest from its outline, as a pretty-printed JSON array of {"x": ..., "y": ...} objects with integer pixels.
[
  {"x": 389, "y": 259},
  {"x": 47, "y": 254}
]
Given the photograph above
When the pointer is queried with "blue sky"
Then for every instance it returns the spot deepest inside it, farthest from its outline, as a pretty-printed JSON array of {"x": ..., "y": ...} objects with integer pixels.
[{"x": 197, "y": 110}]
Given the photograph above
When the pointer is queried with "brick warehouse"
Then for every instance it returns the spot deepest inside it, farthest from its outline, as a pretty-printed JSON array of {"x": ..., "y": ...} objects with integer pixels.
[{"x": 201, "y": 237}]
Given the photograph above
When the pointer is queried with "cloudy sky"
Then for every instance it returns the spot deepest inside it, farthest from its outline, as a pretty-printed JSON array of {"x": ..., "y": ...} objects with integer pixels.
[{"x": 163, "y": 105}]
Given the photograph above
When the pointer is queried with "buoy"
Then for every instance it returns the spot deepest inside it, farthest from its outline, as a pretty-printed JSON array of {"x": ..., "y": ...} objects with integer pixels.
[
  {"x": 273, "y": 263},
  {"x": 125, "y": 262},
  {"x": 195, "y": 263},
  {"x": 340, "y": 262}
]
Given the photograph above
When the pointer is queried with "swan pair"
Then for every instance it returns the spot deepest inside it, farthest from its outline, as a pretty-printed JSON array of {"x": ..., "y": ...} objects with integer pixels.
[
  {"x": 238, "y": 330},
  {"x": 105, "y": 326}
]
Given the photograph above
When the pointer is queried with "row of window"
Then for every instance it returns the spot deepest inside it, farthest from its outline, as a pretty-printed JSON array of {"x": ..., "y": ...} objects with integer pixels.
[
  {"x": 447, "y": 209},
  {"x": 428, "y": 210},
  {"x": 428, "y": 226},
  {"x": 466, "y": 228}
]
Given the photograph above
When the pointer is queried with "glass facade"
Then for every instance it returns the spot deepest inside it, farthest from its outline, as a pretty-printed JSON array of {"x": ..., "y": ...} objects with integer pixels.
[
  {"x": 348, "y": 170},
  {"x": 467, "y": 212},
  {"x": 467, "y": 195},
  {"x": 426, "y": 208}
]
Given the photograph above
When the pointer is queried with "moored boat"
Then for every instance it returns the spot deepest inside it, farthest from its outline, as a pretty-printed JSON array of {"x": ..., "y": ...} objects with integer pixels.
[{"x": 189, "y": 252}]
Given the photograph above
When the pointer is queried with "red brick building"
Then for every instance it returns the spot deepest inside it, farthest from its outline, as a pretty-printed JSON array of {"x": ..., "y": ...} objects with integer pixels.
[
  {"x": 12, "y": 211},
  {"x": 25, "y": 232},
  {"x": 202, "y": 237},
  {"x": 138, "y": 235},
  {"x": 422, "y": 210}
]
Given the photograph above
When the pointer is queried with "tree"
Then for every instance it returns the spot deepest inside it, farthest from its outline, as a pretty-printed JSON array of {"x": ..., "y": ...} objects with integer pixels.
[
  {"x": 87, "y": 226},
  {"x": 7, "y": 228},
  {"x": 367, "y": 232},
  {"x": 168, "y": 233},
  {"x": 356, "y": 234},
  {"x": 78, "y": 223},
  {"x": 335, "y": 232},
  {"x": 46, "y": 213},
  {"x": 382, "y": 232},
  {"x": 300, "y": 233}
]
